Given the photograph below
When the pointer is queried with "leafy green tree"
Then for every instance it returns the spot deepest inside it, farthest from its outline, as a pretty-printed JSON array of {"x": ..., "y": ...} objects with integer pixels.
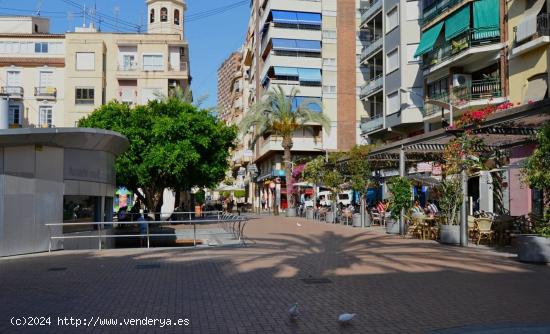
[
  {"x": 537, "y": 171},
  {"x": 276, "y": 115},
  {"x": 450, "y": 199},
  {"x": 359, "y": 170},
  {"x": 173, "y": 144},
  {"x": 401, "y": 189}
]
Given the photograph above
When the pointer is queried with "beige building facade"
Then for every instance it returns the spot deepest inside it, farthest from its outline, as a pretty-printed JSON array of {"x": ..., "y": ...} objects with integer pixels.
[{"x": 32, "y": 70}]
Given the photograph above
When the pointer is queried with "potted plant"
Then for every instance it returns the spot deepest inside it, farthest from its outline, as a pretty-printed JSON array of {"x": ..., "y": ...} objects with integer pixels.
[
  {"x": 450, "y": 191},
  {"x": 401, "y": 201},
  {"x": 536, "y": 247}
]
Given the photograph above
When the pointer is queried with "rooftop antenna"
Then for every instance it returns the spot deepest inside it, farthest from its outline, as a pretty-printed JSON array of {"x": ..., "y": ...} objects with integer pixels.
[
  {"x": 38, "y": 7},
  {"x": 116, "y": 10},
  {"x": 70, "y": 17},
  {"x": 84, "y": 12}
]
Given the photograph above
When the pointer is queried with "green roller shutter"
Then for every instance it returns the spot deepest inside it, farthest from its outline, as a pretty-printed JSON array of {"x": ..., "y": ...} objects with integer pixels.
[
  {"x": 428, "y": 39},
  {"x": 457, "y": 23},
  {"x": 486, "y": 19}
]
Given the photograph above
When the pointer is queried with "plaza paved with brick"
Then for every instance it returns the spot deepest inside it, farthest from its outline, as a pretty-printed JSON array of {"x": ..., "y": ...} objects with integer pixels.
[{"x": 394, "y": 285}]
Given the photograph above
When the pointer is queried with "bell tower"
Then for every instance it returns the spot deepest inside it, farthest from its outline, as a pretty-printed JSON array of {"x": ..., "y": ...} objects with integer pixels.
[{"x": 165, "y": 16}]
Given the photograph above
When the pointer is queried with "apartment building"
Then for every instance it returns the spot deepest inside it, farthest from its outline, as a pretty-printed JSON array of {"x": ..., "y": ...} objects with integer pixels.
[
  {"x": 32, "y": 70},
  {"x": 230, "y": 68},
  {"x": 393, "y": 87},
  {"x": 126, "y": 67},
  {"x": 464, "y": 57}
]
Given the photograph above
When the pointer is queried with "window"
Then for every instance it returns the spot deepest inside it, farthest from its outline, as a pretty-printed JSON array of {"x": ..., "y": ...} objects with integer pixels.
[
  {"x": 329, "y": 34},
  {"x": 45, "y": 79},
  {"x": 45, "y": 116},
  {"x": 85, "y": 61},
  {"x": 393, "y": 104},
  {"x": 329, "y": 61},
  {"x": 413, "y": 10},
  {"x": 36, "y": 28},
  {"x": 84, "y": 96},
  {"x": 392, "y": 19},
  {"x": 411, "y": 50},
  {"x": 392, "y": 60},
  {"x": 153, "y": 63},
  {"x": 152, "y": 16},
  {"x": 163, "y": 14},
  {"x": 176, "y": 17},
  {"x": 13, "y": 79},
  {"x": 329, "y": 89},
  {"x": 41, "y": 47},
  {"x": 14, "y": 114}
]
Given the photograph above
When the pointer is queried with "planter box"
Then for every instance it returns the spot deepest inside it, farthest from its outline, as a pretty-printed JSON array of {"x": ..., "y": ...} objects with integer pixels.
[
  {"x": 392, "y": 227},
  {"x": 533, "y": 248},
  {"x": 291, "y": 212},
  {"x": 449, "y": 234}
]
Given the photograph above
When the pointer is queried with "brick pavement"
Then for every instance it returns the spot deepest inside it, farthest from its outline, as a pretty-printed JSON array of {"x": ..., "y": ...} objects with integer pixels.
[{"x": 395, "y": 285}]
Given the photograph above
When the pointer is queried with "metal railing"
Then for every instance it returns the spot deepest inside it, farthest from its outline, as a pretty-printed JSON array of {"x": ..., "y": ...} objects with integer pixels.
[
  {"x": 471, "y": 38},
  {"x": 372, "y": 85},
  {"x": 128, "y": 67},
  {"x": 430, "y": 109},
  {"x": 373, "y": 124},
  {"x": 477, "y": 89},
  {"x": 12, "y": 90},
  {"x": 182, "y": 66},
  {"x": 369, "y": 11},
  {"x": 543, "y": 29},
  {"x": 231, "y": 225},
  {"x": 432, "y": 12},
  {"x": 46, "y": 91},
  {"x": 375, "y": 45}
]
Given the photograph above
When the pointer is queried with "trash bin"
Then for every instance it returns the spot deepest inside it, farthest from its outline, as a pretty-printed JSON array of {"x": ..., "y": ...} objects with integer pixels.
[
  {"x": 309, "y": 213},
  {"x": 330, "y": 217},
  {"x": 356, "y": 220}
]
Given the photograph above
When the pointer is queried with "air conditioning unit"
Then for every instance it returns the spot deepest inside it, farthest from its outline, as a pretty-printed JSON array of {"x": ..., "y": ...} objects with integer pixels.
[{"x": 462, "y": 80}]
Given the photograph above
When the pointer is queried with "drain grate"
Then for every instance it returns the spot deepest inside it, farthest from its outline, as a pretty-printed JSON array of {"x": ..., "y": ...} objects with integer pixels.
[
  {"x": 147, "y": 266},
  {"x": 58, "y": 269},
  {"x": 316, "y": 281}
]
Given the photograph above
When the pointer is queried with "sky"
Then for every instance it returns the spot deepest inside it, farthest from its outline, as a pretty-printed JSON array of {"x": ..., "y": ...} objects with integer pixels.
[{"x": 211, "y": 38}]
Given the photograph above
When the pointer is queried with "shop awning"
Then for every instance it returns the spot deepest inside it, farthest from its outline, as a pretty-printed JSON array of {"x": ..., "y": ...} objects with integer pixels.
[
  {"x": 309, "y": 74},
  {"x": 486, "y": 19},
  {"x": 428, "y": 39},
  {"x": 457, "y": 23},
  {"x": 286, "y": 71}
]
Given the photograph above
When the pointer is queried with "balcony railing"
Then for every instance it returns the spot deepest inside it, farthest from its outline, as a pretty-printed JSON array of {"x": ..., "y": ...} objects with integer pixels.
[
  {"x": 543, "y": 29},
  {"x": 182, "y": 66},
  {"x": 372, "y": 86},
  {"x": 12, "y": 91},
  {"x": 463, "y": 42},
  {"x": 375, "y": 45},
  {"x": 477, "y": 90},
  {"x": 373, "y": 124},
  {"x": 430, "y": 109},
  {"x": 128, "y": 67},
  {"x": 45, "y": 92},
  {"x": 432, "y": 12},
  {"x": 369, "y": 11}
]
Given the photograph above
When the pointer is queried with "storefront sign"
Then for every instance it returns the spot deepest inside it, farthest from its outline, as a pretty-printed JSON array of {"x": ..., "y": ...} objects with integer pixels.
[{"x": 424, "y": 167}]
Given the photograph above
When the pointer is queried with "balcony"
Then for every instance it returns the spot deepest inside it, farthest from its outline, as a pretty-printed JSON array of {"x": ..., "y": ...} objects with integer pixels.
[
  {"x": 431, "y": 13},
  {"x": 48, "y": 93},
  {"x": 128, "y": 67},
  {"x": 369, "y": 50},
  {"x": 13, "y": 92},
  {"x": 274, "y": 143},
  {"x": 372, "y": 86},
  {"x": 181, "y": 67},
  {"x": 528, "y": 38},
  {"x": 469, "y": 43},
  {"x": 373, "y": 124},
  {"x": 370, "y": 11}
]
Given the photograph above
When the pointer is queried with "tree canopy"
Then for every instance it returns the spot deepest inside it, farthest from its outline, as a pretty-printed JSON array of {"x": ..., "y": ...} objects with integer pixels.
[{"x": 173, "y": 144}]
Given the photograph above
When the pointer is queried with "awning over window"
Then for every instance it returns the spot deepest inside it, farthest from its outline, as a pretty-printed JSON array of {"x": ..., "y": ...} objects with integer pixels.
[
  {"x": 486, "y": 19},
  {"x": 309, "y": 74},
  {"x": 528, "y": 26},
  {"x": 281, "y": 16},
  {"x": 286, "y": 71},
  {"x": 288, "y": 17},
  {"x": 296, "y": 45},
  {"x": 457, "y": 23},
  {"x": 313, "y": 103},
  {"x": 427, "y": 41},
  {"x": 309, "y": 18}
]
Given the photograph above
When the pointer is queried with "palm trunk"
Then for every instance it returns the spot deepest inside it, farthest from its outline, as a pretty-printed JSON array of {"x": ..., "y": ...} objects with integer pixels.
[{"x": 287, "y": 146}]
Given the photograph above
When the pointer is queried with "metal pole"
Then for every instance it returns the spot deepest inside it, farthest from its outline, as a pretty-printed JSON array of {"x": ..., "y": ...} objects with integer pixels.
[
  {"x": 194, "y": 234},
  {"x": 464, "y": 210},
  {"x": 402, "y": 174},
  {"x": 148, "y": 243},
  {"x": 451, "y": 121},
  {"x": 99, "y": 235}
]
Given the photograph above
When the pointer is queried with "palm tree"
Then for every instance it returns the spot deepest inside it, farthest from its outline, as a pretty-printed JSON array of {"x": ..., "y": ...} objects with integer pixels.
[{"x": 276, "y": 115}]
